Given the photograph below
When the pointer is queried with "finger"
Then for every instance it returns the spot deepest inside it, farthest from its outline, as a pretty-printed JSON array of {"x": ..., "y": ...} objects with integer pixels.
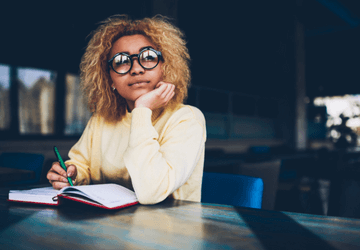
[
  {"x": 172, "y": 88},
  {"x": 58, "y": 169},
  {"x": 158, "y": 84},
  {"x": 168, "y": 91},
  {"x": 162, "y": 83},
  {"x": 172, "y": 95},
  {"x": 71, "y": 171},
  {"x": 59, "y": 185},
  {"x": 160, "y": 91},
  {"x": 54, "y": 177},
  {"x": 165, "y": 89},
  {"x": 169, "y": 94}
]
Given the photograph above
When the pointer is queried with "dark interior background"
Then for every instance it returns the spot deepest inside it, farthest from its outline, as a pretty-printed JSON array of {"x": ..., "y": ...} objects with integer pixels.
[
  {"x": 253, "y": 40},
  {"x": 243, "y": 47}
]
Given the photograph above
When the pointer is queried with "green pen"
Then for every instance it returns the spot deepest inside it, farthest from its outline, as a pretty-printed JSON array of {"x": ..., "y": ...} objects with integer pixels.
[{"x": 62, "y": 164}]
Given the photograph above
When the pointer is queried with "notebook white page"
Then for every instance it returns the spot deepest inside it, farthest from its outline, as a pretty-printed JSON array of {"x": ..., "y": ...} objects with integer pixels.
[
  {"x": 110, "y": 195},
  {"x": 41, "y": 195}
]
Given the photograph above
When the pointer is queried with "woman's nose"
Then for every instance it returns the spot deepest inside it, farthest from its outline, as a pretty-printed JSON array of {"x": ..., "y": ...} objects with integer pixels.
[{"x": 136, "y": 67}]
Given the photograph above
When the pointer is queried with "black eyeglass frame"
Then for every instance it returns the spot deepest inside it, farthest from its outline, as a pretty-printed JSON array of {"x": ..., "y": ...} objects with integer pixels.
[{"x": 158, "y": 53}]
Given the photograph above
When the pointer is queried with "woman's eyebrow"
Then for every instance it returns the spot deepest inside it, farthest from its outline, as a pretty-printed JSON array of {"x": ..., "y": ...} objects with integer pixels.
[{"x": 146, "y": 47}]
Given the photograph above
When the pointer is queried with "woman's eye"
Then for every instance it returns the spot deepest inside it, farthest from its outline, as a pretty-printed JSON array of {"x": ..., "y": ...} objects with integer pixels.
[
  {"x": 149, "y": 58},
  {"x": 120, "y": 60}
]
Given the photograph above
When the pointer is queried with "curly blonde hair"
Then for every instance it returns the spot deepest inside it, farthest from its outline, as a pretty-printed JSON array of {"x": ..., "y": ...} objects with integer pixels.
[{"x": 94, "y": 69}]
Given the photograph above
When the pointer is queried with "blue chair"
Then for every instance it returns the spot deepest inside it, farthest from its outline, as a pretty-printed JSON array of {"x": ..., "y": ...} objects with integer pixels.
[
  {"x": 26, "y": 161},
  {"x": 232, "y": 189}
]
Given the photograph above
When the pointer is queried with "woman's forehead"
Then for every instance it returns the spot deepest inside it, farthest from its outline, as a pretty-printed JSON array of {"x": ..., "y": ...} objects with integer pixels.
[{"x": 131, "y": 44}]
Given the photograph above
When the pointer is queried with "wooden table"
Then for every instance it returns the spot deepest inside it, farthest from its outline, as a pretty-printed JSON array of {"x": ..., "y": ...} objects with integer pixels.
[
  {"x": 170, "y": 225},
  {"x": 13, "y": 174}
]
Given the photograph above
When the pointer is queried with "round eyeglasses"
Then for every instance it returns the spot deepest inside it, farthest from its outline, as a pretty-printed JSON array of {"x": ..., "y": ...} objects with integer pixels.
[{"x": 122, "y": 63}]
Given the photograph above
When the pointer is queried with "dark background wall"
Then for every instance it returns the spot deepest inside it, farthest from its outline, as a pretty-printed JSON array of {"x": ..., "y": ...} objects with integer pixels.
[
  {"x": 255, "y": 38},
  {"x": 254, "y": 43}
]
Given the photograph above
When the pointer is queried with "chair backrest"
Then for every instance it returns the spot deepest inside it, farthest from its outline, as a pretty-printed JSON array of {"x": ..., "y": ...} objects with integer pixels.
[
  {"x": 232, "y": 189},
  {"x": 27, "y": 161},
  {"x": 268, "y": 171}
]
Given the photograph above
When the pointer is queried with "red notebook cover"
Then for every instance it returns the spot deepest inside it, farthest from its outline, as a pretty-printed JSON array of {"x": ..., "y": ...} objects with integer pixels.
[
  {"x": 107, "y": 196},
  {"x": 61, "y": 196},
  {"x": 77, "y": 200}
]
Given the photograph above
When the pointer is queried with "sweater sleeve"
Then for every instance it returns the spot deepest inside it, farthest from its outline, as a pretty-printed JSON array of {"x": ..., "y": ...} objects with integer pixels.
[
  {"x": 80, "y": 154},
  {"x": 158, "y": 168}
]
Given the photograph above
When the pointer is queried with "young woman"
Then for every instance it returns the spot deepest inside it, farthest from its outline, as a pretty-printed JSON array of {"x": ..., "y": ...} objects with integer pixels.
[{"x": 141, "y": 135}]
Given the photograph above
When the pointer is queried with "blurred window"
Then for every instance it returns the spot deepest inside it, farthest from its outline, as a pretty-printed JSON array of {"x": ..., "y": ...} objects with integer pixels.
[
  {"x": 76, "y": 112},
  {"x": 4, "y": 97},
  {"x": 336, "y": 110},
  {"x": 36, "y": 91}
]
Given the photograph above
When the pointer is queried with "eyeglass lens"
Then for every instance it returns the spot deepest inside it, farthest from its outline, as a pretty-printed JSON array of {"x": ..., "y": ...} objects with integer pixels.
[{"x": 148, "y": 59}]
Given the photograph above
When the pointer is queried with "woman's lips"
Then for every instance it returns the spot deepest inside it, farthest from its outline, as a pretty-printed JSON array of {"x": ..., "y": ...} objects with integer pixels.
[{"x": 139, "y": 83}]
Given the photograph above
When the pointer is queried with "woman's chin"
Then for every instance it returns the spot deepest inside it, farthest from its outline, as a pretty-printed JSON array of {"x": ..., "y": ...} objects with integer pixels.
[{"x": 137, "y": 95}]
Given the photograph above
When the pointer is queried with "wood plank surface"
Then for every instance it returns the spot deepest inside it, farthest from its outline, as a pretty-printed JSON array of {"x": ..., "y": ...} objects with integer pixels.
[{"x": 171, "y": 224}]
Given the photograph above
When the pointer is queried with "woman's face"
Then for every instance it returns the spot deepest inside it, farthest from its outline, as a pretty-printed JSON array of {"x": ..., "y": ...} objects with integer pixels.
[{"x": 138, "y": 81}]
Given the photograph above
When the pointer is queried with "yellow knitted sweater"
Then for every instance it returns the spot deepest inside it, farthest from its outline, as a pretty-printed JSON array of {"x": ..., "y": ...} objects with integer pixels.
[{"x": 156, "y": 154}]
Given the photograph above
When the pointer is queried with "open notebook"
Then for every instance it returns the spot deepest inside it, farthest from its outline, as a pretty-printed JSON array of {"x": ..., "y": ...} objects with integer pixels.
[{"x": 109, "y": 196}]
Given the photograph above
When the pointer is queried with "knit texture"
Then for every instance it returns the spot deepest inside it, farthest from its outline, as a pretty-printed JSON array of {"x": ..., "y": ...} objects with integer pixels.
[{"x": 156, "y": 154}]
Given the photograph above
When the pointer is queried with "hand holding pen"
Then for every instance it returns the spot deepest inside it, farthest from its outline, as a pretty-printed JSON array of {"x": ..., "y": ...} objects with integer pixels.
[{"x": 61, "y": 175}]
